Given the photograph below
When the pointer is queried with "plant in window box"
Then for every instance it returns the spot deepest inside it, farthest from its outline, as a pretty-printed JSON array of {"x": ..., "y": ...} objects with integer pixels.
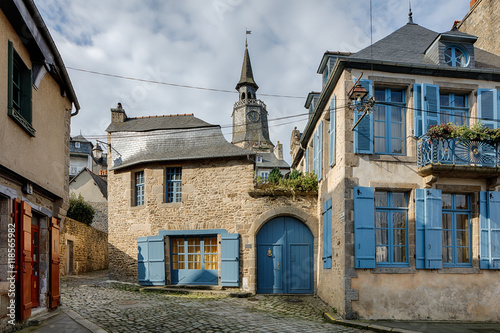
[{"x": 442, "y": 131}]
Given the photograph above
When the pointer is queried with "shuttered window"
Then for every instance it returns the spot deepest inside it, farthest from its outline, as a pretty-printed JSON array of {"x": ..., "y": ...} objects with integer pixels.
[
  {"x": 489, "y": 239},
  {"x": 488, "y": 105},
  {"x": 174, "y": 184},
  {"x": 363, "y": 133},
  {"x": 327, "y": 234},
  {"x": 456, "y": 230},
  {"x": 139, "y": 188},
  {"x": 19, "y": 103},
  {"x": 331, "y": 132},
  {"x": 389, "y": 121}
]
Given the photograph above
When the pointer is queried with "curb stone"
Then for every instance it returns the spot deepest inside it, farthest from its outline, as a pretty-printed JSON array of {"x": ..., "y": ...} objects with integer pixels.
[{"x": 367, "y": 326}]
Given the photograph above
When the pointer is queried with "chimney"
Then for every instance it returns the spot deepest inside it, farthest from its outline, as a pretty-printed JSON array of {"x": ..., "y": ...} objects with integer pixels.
[
  {"x": 118, "y": 115},
  {"x": 278, "y": 151},
  {"x": 472, "y": 3}
]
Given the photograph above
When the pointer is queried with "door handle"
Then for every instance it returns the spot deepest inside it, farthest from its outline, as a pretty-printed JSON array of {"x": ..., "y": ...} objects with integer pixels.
[{"x": 278, "y": 266}]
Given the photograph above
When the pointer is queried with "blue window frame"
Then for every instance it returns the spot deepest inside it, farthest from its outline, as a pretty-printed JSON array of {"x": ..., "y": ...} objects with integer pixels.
[
  {"x": 391, "y": 228},
  {"x": 174, "y": 184},
  {"x": 455, "y": 56},
  {"x": 454, "y": 108},
  {"x": 456, "y": 230},
  {"x": 390, "y": 122},
  {"x": 139, "y": 188}
]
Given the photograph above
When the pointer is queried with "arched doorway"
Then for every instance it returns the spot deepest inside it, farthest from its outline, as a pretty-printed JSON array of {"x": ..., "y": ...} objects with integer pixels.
[{"x": 285, "y": 257}]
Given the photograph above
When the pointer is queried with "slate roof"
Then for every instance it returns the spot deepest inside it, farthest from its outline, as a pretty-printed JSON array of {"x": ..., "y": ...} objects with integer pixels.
[
  {"x": 182, "y": 137},
  {"x": 269, "y": 160},
  {"x": 145, "y": 124},
  {"x": 408, "y": 44},
  {"x": 246, "y": 77}
]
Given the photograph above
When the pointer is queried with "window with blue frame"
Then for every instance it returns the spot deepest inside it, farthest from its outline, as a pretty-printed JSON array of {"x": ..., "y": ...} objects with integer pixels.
[
  {"x": 456, "y": 230},
  {"x": 174, "y": 184},
  {"x": 454, "y": 108},
  {"x": 139, "y": 188},
  {"x": 391, "y": 228},
  {"x": 456, "y": 56},
  {"x": 390, "y": 121}
]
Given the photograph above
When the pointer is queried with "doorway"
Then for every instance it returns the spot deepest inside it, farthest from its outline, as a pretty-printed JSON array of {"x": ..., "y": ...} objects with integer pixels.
[
  {"x": 35, "y": 262},
  {"x": 285, "y": 257}
]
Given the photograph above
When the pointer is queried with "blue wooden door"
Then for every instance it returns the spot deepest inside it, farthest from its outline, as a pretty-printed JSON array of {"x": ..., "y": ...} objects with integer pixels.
[{"x": 285, "y": 257}]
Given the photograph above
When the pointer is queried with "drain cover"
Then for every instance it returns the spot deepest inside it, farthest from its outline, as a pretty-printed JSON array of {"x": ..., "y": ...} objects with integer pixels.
[{"x": 126, "y": 302}]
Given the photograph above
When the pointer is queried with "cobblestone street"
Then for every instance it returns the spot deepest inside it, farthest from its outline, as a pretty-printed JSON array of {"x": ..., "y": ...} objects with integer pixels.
[{"x": 122, "y": 308}]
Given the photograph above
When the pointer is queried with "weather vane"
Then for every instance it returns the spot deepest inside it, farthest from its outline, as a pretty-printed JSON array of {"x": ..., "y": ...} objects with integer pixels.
[{"x": 248, "y": 32}]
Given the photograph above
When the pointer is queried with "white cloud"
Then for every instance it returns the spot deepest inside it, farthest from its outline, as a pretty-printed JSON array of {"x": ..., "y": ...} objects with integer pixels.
[{"x": 201, "y": 43}]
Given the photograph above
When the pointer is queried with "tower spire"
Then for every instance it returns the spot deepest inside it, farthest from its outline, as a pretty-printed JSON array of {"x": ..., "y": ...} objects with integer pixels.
[
  {"x": 410, "y": 14},
  {"x": 246, "y": 78}
]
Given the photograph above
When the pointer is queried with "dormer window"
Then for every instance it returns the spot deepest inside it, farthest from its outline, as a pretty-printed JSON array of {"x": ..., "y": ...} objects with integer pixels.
[{"x": 455, "y": 56}]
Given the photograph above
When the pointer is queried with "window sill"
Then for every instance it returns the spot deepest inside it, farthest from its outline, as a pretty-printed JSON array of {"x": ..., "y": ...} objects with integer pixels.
[
  {"x": 459, "y": 270},
  {"x": 19, "y": 119},
  {"x": 394, "y": 270},
  {"x": 393, "y": 158}
]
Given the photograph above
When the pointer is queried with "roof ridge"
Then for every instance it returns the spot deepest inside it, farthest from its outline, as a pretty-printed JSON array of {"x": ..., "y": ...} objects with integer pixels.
[{"x": 164, "y": 116}]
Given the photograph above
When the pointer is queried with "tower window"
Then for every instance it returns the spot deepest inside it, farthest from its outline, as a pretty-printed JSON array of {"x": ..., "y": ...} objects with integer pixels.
[{"x": 243, "y": 96}]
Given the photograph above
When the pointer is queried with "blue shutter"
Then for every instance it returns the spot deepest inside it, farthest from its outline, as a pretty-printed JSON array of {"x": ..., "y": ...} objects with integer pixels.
[
  {"x": 307, "y": 159},
  {"x": 364, "y": 227},
  {"x": 489, "y": 210},
  {"x": 428, "y": 229},
  {"x": 363, "y": 133},
  {"x": 327, "y": 234},
  {"x": 331, "y": 132},
  {"x": 320, "y": 150},
  {"x": 487, "y": 107},
  {"x": 420, "y": 228},
  {"x": 417, "y": 110},
  {"x": 151, "y": 260},
  {"x": 430, "y": 103},
  {"x": 230, "y": 260},
  {"x": 315, "y": 152}
]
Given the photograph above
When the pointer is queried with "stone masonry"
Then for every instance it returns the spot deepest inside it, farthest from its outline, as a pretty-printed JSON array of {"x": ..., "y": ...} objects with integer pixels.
[
  {"x": 215, "y": 195},
  {"x": 90, "y": 247}
]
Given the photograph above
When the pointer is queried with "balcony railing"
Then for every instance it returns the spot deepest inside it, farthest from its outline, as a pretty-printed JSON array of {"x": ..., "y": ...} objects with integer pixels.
[
  {"x": 457, "y": 152},
  {"x": 251, "y": 102}
]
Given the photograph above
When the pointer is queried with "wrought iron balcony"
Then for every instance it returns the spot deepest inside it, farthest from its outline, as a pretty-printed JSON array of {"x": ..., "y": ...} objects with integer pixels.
[
  {"x": 250, "y": 102},
  {"x": 439, "y": 155}
]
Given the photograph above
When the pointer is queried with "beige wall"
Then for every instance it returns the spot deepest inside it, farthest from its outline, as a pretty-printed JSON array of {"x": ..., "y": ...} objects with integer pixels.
[
  {"x": 86, "y": 186},
  {"x": 43, "y": 159},
  {"x": 215, "y": 196},
  {"x": 483, "y": 21}
]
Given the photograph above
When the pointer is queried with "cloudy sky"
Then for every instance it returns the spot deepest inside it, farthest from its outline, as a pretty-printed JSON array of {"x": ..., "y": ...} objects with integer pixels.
[{"x": 200, "y": 43}]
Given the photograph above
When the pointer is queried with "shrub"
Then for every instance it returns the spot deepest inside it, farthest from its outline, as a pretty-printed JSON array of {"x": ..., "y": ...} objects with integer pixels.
[
  {"x": 274, "y": 176},
  {"x": 80, "y": 210},
  {"x": 295, "y": 174}
]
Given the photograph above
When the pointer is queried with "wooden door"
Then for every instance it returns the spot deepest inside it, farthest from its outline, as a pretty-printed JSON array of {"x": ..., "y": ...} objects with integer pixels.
[
  {"x": 35, "y": 266},
  {"x": 54, "y": 296}
]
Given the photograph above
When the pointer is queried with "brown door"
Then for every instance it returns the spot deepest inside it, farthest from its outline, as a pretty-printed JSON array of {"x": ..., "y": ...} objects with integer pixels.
[
  {"x": 54, "y": 263},
  {"x": 22, "y": 212},
  {"x": 35, "y": 280}
]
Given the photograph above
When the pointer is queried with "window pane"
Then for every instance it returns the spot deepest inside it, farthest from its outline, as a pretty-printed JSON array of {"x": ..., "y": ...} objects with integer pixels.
[
  {"x": 382, "y": 254},
  {"x": 462, "y": 221},
  {"x": 399, "y": 237},
  {"x": 396, "y": 114},
  {"x": 463, "y": 255},
  {"x": 399, "y": 220},
  {"x": 461, "y": 201},
  {"x": 459, "y": 101},
  {"x": 397, "y": 146},
  {"x": 447, "y": 221},
  {"x": 379, "y": 113},
  {"x": 396, "y": 96},
  {"x": 396, "y": 130},
  {"x": 380, "y": 145},
  {"x": 381, "y": 219},
  {"x": 444, "y": 99},
  {"x": 379, "y": 128},
  {"x": 400, "y": 254},
  {"x": 446, "y": 199},
  {"x": 447, "y": 239},
  {"x": 379, "y": 94},
  {"x": 462, "y": 238},
  {"x": 382, "y": 237},
  {"x": 399, "y": 199},
  {"x": 381, "y": 199},
  {"x": 447, "y": 255}
]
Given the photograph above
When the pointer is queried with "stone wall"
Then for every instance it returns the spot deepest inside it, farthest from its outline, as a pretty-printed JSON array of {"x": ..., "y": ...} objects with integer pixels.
[
  {"x": 215, "y": 195},
  {"x": 100, "y": 220},
  {"x": 90, "y": 247},
  {"x": 483, "y": 21}
]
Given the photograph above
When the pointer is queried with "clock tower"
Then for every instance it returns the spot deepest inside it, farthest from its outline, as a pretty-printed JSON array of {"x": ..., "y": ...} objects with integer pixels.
[{"x": 250, "y": 127}]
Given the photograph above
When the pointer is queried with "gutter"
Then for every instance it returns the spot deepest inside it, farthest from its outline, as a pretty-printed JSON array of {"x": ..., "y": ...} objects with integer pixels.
[{"x": 57, "y": 56}]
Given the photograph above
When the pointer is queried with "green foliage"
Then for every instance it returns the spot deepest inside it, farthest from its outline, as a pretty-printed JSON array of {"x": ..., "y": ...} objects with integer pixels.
[
  {"x": 295, "y": 174},
  {"x": 80, "y": 210},
  {"x": 476, "y": 132},
  {"x": 304, "y": 182},
  {"x": 274, "y": 176}
]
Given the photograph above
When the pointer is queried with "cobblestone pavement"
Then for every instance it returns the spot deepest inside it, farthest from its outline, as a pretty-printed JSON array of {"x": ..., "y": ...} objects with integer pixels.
[{"x": 122, "y": 308}]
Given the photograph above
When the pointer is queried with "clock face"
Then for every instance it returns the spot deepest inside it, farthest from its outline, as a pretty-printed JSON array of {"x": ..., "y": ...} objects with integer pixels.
[{"x": 253, "y": 116}]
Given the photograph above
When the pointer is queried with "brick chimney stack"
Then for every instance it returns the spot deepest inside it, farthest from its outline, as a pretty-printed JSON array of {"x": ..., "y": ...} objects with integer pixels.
[{"x": 118, "y": 114}]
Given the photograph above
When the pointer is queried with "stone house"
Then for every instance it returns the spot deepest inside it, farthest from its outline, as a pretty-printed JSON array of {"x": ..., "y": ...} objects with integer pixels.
[
  {"x": 409, "y": 225},
  {"x": 182, "y": 211},
  {"x": 34, "y": 161},
  {"x": 94, "y": 190}
]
